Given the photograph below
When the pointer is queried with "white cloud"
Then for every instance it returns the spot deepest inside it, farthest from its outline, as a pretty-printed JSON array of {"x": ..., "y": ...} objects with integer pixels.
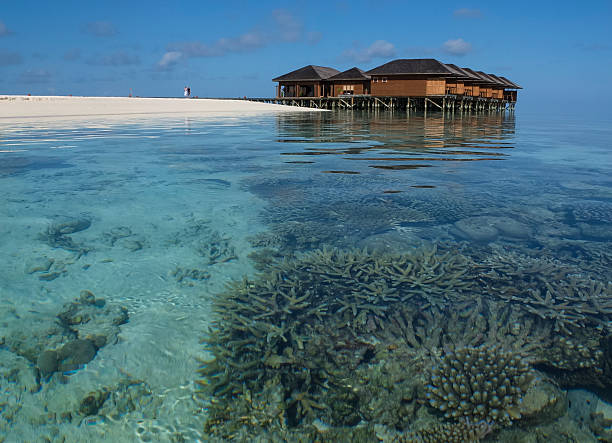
[
  {"x": 169, "y": 59},
  {"x": 283, "y": 27},
  {"x": 289, "y": 28},
  {"x": 378, "y": 49},
  {"x": 457, "y": 46},
  {"x": 467, "y": 13},
  {"x": 243, "y": 43}
]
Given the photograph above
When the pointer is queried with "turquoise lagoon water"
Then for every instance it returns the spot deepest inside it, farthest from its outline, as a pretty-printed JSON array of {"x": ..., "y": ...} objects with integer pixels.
[{"x": 119, "y": 235}]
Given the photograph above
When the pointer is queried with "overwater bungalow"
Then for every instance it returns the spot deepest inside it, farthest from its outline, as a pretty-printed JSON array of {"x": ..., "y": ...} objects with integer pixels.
[
  {"x": 469, "y": 81},
  {"x": 401, "y": 83},
  {"x": 419, "y": 77},
  {"x": 511, "y": 91},
  {"x": 353, "y": 81},
  {"x": 309, "y": 81},
  {"x": 495, "y": 85}
]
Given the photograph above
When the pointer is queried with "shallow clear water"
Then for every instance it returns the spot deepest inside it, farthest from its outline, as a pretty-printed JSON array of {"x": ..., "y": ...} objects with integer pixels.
[{"x": 158, "y": 215}]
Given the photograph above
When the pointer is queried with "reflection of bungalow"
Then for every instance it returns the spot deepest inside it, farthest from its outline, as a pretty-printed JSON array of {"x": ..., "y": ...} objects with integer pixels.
[
  {"x": 418, "y": 77},
  {"x": 309, "y": 81},
  {"x": 350, "y": 82}
]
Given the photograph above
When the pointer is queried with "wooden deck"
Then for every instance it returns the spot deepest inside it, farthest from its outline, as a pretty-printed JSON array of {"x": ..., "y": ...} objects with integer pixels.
[{"x": 359, "y": 102}]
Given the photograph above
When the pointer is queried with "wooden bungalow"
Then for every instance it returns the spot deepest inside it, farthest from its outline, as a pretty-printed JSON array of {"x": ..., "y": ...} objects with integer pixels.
[
  {"x": 410, "y": 78},
  {"x": 353, "y": 81},
  {"x": 497, "y": 86},
  {"x": 471, "y": 82},
  {"x": 511, "y": 91},
  {"x": 485, "y": 85},
  {"x": 309, "y": 81},
  {"x": 410, "y": 84}
]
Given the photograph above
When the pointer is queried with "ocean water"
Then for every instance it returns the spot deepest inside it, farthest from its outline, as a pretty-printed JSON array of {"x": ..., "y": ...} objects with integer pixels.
[{"x": 117, "y": 239}]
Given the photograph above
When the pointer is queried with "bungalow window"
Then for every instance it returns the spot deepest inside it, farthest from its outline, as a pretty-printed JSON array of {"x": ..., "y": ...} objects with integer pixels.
[
  {"x": 375, "y": 79},
  {"x": 383, "y": 79}
]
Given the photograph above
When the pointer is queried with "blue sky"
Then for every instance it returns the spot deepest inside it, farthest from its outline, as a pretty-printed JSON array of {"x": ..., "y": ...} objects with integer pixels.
[{"x": 559, "y": 51}]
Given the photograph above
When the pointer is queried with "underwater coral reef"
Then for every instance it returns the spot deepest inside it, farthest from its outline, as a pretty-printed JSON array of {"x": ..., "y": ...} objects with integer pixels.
[{"x": 333, "y": 344}]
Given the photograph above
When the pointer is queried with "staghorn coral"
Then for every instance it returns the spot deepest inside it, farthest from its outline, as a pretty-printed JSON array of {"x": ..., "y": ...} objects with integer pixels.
[
  {"x": 343, "y": 335},
  {"x": 460, "y": 432},
  {"x": 548, "y": 289},
  {"x": 483, "y": 383},
  {"x": 279, "y": 323}
]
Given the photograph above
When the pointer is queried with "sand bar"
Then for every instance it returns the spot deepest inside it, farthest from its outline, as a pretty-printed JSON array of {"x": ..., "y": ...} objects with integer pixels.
[{"x": 20, "y": 106}]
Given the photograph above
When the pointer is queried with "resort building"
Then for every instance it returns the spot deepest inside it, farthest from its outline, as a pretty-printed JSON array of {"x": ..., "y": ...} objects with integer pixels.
[
  {"x": 350, "y": 82},
  {"x": 309, "y": 81},
  {"x": 410, "y": 78},
  {"x": 409, "y": 83}
]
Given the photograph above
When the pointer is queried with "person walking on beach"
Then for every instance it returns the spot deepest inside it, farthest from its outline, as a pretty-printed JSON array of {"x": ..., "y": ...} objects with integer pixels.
[
  {"x": 188, "y": 91},
  {"x": 185, "y": 94}
]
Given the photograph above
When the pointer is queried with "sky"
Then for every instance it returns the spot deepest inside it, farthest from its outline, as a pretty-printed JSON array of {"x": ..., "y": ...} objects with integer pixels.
[{"x": 560, "y": 52}]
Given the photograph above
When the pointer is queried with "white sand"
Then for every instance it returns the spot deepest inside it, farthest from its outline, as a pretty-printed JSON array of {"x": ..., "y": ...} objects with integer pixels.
[{"x": 20, "y": 106}]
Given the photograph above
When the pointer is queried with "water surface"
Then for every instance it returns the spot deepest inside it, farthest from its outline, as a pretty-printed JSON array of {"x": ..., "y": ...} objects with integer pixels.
[{"x": 157, "y": 216}]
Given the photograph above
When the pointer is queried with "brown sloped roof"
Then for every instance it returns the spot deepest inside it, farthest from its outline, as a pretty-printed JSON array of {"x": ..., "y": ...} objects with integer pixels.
[
  {"x": 467, "y": 75},
  {"x": 412, "y": 66},
  {"x": 494, "y": 80},
  {"x": 308, "y": 73},
  {"x": 480, "y": 76},
  {"x": 350, "y": 74},
  {"x": 499, "y": 81},
  {"x": 511, "y": 83},
  {"x": 456, "y": 73}
]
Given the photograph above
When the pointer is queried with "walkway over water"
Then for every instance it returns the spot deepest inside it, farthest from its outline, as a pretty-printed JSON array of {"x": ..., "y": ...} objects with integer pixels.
[{"x": 359, "y": 102}]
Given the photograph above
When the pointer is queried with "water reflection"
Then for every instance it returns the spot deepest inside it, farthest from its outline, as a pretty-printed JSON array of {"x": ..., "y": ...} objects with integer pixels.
[{"x": 389, "y": 137}]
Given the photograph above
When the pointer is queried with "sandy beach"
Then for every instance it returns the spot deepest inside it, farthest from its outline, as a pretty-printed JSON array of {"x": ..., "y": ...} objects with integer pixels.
[{"x": 20, "y": 106}]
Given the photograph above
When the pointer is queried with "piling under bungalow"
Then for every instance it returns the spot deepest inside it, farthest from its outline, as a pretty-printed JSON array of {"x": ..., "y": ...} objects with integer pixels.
[{"x": 403, "y": 84}]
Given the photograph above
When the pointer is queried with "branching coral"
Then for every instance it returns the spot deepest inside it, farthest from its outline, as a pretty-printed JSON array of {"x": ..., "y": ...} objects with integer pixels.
[{"x": 483, "y": 383}]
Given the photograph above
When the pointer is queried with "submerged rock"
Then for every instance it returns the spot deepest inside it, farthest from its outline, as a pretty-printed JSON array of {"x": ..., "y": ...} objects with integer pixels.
[
  {"x": 70, "y": 226},
  {"x": 85, "y": 326},
  {"x": 91, "y": 318},
  {"x": 486, "y": 228},
  {"x": 543, "y": 403},
  {"x": 47, "y": 363},
  {"x": 75, "y": 354},
  {"x": 476, "y": 229},
  {"x": 93, "y": 401}
]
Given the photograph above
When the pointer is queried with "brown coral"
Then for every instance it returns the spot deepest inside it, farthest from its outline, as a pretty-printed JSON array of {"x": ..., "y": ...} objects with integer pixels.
[{"x": 483, "y": 383}]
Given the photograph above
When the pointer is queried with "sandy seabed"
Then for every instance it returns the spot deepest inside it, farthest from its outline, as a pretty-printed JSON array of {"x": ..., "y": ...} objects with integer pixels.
[{"x": 139, "y": 185}]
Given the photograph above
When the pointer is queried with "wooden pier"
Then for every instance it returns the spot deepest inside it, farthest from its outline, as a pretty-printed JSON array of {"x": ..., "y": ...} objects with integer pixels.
[{"x": 367, "y": 102}]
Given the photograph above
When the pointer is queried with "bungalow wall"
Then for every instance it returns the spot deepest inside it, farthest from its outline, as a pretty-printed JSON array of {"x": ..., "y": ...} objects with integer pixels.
[
  {"x": 486, "y": 91},
  {"x": 351, "y": 88},
  {"x": 398, "y": 86},
  {"x": 511, "y": 96},
  {"x": 457, "y": 88},
  {"x": 303, "y": 89},
  {"x": 498, "y": 93}
]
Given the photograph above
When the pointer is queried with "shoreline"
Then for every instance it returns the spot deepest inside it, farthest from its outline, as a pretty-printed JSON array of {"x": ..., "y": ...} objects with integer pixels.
[{"x": 23, "y": 106}]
